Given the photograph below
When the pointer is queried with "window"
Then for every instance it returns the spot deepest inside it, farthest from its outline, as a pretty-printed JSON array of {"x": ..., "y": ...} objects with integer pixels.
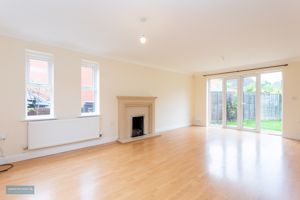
[
  {"x": 89, "y": 88},
  {"x": 39, "y": 85}
]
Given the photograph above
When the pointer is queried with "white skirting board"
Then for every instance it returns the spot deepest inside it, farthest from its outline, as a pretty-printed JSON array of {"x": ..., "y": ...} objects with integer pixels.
[
  {"x": 50, "y": 133},
  {"x": 30, "y": 154},
  {"x": 173, "y": 127}
]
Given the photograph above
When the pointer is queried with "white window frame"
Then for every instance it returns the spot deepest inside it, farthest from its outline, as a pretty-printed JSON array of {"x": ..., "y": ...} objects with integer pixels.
[
  {"x": 31, "y": 54},
  {"x": 96, "y": 74}
]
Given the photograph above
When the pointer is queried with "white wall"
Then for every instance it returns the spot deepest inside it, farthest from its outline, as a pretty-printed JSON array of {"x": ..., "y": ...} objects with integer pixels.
[
  {"x": 291, "y": 100},
  {"x": 199, "y": 100},
  {"x": 174, "y": 91}
]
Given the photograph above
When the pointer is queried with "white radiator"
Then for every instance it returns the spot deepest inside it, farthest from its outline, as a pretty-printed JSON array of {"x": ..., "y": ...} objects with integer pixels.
[{"x": 57, "y": 132}]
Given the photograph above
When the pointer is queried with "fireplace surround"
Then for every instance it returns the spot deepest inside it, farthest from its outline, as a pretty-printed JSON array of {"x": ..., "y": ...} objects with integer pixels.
[{"x": 143, "y": 109}]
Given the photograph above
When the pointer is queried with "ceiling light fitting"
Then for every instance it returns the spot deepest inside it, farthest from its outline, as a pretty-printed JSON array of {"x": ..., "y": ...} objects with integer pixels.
[{"x": 143, "y": 39}]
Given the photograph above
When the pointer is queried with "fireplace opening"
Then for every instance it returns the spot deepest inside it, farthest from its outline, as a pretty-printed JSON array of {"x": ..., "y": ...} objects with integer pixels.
[{"x": 137, "y": 126}]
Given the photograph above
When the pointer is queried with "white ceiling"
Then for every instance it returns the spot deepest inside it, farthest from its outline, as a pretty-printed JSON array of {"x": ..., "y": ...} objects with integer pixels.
[{"x": 183, "y": 35}]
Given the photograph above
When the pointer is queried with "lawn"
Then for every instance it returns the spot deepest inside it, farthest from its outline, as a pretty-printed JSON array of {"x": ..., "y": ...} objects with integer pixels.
[{"x": 268, "y": 125}]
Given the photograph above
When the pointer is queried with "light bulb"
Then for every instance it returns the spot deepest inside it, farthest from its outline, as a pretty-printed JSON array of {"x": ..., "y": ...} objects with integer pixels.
[{"x": 143, "y": 39}]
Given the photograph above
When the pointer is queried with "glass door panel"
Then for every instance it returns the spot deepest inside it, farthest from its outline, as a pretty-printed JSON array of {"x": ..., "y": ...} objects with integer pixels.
[
  {"x": 232, "y": 103},
  {"x": 215, "y": 101},
  {"x": 249, "y": 102},
  {"x": 271, "y": 102}
]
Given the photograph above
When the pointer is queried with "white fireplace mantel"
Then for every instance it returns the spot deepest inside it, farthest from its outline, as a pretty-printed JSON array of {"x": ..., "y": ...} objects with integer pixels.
[{"x": 135, "y": 105}]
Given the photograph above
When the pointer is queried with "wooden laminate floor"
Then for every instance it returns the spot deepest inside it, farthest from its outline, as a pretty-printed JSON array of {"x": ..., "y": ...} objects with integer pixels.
[{"x": 188, "y": 163}]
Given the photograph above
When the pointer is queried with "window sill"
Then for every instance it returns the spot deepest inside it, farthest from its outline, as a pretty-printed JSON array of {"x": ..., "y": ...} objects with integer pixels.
[
  {"x": 40, "y": 119},
  {"x": 89, "y": 115}
]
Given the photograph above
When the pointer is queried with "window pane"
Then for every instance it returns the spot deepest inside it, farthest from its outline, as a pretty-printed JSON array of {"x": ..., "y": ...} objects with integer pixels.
[
  {"x": 271, "y": 102},
  {"x": 87, "y": 101},
  {"x": 232, "y": 102},
  {"x": 216, "y": 91},
  {"x": 38, "y": 71},
  {"x": 89, "y": 88},
  {"x": 38, "y": 101},
  {"x": 87, "y": 78},
  {"x": 249, "y": 102}
]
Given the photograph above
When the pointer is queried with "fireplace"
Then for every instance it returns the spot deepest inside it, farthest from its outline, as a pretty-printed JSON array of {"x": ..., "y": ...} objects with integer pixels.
[
  {"x": 136, "y": 118},
  {"x": 137, "y": 126}
]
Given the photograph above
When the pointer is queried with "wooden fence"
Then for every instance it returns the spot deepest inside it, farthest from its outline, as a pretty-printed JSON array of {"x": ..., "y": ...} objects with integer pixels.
[
  {"x": 271, "y": 106},
  {"x": 216, "y": 107}
]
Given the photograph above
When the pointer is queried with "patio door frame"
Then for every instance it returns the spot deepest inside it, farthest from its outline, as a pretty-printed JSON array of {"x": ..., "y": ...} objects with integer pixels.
[
  {"x": 240, "y": 83},
  {"x": 257, "y": 102},
  {"x": 240, "y": 77},
  {"x": 240, "y": 80}
]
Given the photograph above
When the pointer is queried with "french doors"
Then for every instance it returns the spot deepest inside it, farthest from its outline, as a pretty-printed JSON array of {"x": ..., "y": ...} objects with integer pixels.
[
  {"x": 250, "y": 102},
  {"x": 241, "y": 97}
]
